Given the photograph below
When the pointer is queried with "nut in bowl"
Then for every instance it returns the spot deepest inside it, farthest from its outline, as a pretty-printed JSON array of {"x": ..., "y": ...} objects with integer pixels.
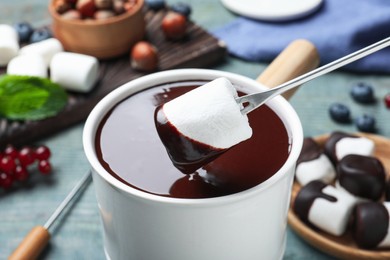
[{"x": 103, "y": 38}]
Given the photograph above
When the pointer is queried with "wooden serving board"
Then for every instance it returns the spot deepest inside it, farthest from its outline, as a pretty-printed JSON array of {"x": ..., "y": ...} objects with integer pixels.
[
  {"x": 342, "y": 247},
  {"x": 198, "y": 49}
]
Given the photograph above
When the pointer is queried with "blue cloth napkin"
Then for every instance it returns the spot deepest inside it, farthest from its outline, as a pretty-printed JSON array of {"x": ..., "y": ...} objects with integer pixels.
[{"x": 338, "y": 28}]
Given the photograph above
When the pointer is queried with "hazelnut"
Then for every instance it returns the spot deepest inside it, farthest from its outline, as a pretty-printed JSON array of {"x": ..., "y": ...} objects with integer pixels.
[
  {"x": 87, "y": 8},
  {"x": 144, "y": 56},
  {"x": 174, "y": 26},
  {"x": 103, "y": 14},
  {"x": 119, "y": 6},
  {"x": 61, "y": 6},
  {"x": 103, "y": 4},
  {"x": 128, "y": 6},
  {"x": 71, "y": 15}
]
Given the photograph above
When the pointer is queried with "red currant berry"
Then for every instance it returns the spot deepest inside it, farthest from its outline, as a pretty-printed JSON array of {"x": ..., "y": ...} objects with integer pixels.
[
  {"x": 5, "y": 180},
  {"x": 42, "y": 153},
  {"x": 11, "y": 151},
  {"x": 387, "y": 100},
  {"x": 26, "y": 156},
  {"x": 44, "y": 167},
  {"x": 21, "y": 173},
  {"x": 7, "y": 164}
]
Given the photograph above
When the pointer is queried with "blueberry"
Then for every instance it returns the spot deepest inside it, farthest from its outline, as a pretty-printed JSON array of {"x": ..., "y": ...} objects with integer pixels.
[
  {"x": 182, "y": 8},
  {"x": 362, "y": 93},
  {"x": 40, "y": 35},
  {"x": 24, "y": 30},
  {"x": 339, "y": 113},
  {"x": 155, "y": 4},
  {"x": 365, "y": 123}
]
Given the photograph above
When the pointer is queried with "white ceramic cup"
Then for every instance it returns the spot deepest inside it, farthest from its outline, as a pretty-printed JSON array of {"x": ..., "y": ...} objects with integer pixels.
[{"x": 249, "y": 225}]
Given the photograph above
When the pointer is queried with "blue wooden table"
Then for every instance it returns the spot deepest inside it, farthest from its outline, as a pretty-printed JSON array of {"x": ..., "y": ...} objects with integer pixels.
[{"x": 78, "y": 233}]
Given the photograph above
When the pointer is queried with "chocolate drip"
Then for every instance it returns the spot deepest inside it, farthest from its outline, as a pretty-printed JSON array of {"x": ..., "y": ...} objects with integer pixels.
[
  {"x": 306, "y": 197},
  {"x": 310, "y": 151},
  {"x": 363, "y": 176},
  {"x": 370, "y": 224},
  {"x": 330, "y": 145},
  {"x": 194, "y": 186},
  {"x": 186, "y": 154}
]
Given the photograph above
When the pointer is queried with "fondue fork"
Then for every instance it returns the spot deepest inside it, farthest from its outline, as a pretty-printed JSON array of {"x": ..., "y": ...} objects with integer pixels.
[
  {"x": 36, "y": 240},
  {"x": 253, "y": 101}
]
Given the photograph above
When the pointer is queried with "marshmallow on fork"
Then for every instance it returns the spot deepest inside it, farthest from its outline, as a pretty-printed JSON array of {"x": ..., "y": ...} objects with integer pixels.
[
  {"x": 199, "y": 125},
  {"x": 28, "y": 65},
  {"x": 9, "y": 44},
  {"x": 324, "y": 207},
  {"x": 73, "y": 71},
  {"x": 313, "y": 164},
  {"x": 46, "y": 48}
]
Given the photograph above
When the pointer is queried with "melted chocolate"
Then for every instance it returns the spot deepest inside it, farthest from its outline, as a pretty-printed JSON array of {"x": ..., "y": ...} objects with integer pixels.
[
  {"x": 129, "y": 148},
  {"x": 363, "y": 176},
  {"x": 330, "y": 145},
  {"x": 306, "y": 197},
  {"x": 370, "y": 224},
  {"x": 186, "y": 154},
  {"x": 310, "y": 151}
]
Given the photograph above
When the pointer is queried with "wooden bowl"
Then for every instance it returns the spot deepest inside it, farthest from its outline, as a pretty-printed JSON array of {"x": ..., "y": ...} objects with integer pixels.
[
  {"x": 342, "y": 247},
  {"x": 103, "y": 39}
]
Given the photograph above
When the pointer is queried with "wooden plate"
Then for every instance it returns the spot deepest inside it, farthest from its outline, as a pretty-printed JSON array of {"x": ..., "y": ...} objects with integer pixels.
[{"x": 343, "y": 246}]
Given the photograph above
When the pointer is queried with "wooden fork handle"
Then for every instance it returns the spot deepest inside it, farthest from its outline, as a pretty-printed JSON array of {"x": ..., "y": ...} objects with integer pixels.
[
  {"x": 32, "y": 245},
  {"x": 297, "y": 58}
]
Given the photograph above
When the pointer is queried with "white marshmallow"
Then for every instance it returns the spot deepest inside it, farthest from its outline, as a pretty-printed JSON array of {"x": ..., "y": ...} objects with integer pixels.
[
  {"x": 46, "y": 48},
  {"x": 329, "y": 216},
  {"x": 386, "y": 241},
  {"x": 9, "y": 44},
  {"x": 209, "y": 114},
  {"x": 317, "y": 169},
  {"x": 350, "y": 145},
  {"x": 28, "y": 65},
  {"x": 73, "y": 71}
]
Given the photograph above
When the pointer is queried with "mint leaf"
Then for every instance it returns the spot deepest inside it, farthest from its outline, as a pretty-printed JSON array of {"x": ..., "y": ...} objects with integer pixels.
[{"x": 30, "y": 98}]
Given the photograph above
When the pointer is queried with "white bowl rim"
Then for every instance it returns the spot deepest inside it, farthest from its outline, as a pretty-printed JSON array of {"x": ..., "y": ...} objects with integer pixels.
[{"x": 177, "y": 75}]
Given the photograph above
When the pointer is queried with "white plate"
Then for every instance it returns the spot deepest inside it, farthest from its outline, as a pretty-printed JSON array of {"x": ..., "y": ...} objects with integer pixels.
[{"x": 273, "y": 10}]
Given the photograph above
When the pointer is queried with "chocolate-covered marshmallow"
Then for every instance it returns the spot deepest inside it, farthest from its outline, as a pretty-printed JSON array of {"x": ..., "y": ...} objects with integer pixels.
[
  {"x": 362, "y": 176},
  {"x": 324, "y": 207},
  {"x": 340, "y": 144},
  {"x": 313, "y": 164},
  {"x": 370, "y": 225}
]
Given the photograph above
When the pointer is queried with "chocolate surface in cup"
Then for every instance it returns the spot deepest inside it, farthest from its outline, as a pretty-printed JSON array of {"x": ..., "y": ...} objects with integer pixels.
[{"x": 129, "y": 148}]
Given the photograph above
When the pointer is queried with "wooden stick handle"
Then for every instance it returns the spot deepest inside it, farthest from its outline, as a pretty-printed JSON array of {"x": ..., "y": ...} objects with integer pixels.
[
  {"x": 32, "y": 245},
  {"x": 297, "y": 58}
]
